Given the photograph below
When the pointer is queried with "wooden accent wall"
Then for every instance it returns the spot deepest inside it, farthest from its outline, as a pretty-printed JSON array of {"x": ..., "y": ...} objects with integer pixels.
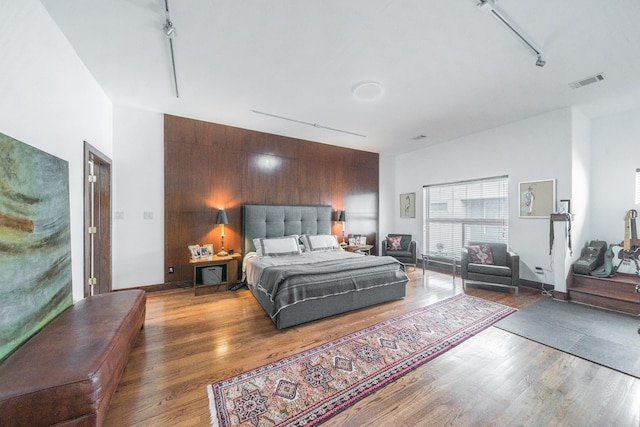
[{"x": 210, "y": 166}]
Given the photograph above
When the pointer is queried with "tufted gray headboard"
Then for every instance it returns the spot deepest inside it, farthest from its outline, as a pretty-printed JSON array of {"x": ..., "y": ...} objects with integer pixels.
[{"x": 283, "y": 220}]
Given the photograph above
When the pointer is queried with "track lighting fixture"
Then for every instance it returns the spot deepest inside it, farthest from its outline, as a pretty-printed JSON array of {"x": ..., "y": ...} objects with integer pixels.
[
  {"x": 490, "y": 6},
  {"x": 169, "y": 29},
  {"x": 315, "y": 125}
]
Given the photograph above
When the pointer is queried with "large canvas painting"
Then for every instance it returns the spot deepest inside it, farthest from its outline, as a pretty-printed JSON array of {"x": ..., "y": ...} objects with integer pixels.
[{"x": 35, "y": 242}]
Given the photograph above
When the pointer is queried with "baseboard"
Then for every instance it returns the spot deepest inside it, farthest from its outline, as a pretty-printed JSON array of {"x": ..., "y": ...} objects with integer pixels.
[
  {"x": 536, "y": 285},
  {"x": 162, "y": 287},
  {"x": 560, "y": 296}
]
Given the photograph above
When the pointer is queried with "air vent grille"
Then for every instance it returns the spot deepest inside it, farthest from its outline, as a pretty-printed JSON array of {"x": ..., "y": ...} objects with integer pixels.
[{"x": 587, "y": 81}]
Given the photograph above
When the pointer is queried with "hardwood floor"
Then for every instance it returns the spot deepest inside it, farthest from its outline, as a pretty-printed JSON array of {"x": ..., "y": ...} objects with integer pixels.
[{"x": 493, "y": 379}]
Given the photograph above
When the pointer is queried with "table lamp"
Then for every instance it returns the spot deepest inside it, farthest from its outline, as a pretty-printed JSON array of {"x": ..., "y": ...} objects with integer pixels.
[
  {"x": 342, "y": 219},
  {"x": 222, "y": 220}
]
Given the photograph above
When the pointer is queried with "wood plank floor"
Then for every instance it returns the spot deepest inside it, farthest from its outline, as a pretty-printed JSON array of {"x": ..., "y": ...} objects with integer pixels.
[{"x": 493, "y": 379}]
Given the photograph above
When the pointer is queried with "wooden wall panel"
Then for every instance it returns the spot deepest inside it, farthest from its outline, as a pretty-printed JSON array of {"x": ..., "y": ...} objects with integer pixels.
[
  {"x": 270, "y": 179},
  {"x": 210, "y": 166}
]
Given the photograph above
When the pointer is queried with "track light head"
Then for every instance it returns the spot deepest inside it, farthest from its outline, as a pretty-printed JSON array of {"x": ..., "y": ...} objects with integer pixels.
[
  {"x": 486, "y": 5},
  {"x": 169, "y": 29},
  {"x": 540, "y": 62}
]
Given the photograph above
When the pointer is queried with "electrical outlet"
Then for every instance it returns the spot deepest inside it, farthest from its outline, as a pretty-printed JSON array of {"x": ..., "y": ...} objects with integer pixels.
[{"x": 171, "y": 270}]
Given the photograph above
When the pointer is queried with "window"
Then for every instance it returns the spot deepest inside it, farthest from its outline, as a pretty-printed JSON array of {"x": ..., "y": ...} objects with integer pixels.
[{"x": 459, "y": 212}]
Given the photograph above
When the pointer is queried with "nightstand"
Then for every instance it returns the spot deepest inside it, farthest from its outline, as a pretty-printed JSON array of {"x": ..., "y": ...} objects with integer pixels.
[
  {"x": 211, "y": 273},
  {"x": 365, "y": 249}
]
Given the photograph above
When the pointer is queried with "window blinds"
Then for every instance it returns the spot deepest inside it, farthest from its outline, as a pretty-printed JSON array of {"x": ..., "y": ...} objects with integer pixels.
[
  {"x": 459, "y": 212},
  {"x": 637, "y": 186}
]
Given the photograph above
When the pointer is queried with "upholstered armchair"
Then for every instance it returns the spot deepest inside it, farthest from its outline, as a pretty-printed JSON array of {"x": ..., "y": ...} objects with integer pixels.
[
  {"x": 490, "y": 264},
  {"x": 401, "y": 247}
]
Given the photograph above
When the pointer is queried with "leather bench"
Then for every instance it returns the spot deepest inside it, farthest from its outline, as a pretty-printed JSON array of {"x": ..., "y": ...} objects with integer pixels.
[{"x": 66, "y": 374}]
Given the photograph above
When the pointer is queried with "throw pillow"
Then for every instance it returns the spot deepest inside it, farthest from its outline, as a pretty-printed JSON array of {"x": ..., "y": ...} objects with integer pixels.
[
  {"x": 281, "y": 246},
  {"x": 480, "y": 254},
  {"x": 393, "y": 243},
  {"x": 320, "y": 243}
]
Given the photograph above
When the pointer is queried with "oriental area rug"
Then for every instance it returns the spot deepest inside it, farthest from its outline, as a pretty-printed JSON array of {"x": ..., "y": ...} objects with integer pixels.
[{"x": 310, "y": 387}]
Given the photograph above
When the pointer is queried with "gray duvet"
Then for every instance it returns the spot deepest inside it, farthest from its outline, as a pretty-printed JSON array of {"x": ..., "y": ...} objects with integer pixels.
[{"x": 289, "y": 284}]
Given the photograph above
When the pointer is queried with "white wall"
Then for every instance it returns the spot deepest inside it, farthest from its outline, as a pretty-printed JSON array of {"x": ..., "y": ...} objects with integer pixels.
[
  {"x": 52, "y": 102},
  {"x": 536, "y": 148},
  {"x": 581, "y": 197},
  {"x": 138, "y": 188},
  {"x": 386, "y": 196},
  {"x": 615, "y": 158}
]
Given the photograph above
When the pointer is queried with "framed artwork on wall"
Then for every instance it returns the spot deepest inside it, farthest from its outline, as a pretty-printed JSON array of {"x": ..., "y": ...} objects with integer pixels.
[
  {"x": 35, "y": 237},
  {"x": 408, "y": 205},
  {"x": 537, "y": 199}
]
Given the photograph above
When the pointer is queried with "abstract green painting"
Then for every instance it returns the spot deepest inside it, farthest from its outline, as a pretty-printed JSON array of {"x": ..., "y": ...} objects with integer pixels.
[{"x": 35, "y": 242}]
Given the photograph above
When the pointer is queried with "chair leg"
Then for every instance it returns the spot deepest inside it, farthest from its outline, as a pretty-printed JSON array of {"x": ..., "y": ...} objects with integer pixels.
[{"x": 407, "y": 265}]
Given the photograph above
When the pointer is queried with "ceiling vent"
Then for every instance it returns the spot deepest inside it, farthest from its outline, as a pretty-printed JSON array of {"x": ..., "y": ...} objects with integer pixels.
[{"x": 589, "y": 80}]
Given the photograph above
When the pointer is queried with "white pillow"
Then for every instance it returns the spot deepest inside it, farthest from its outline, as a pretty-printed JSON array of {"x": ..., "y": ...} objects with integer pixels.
[
  {"x": 320, "y": 243},
  {"x": 280, "y": 246},
  {"x": 258, "y": 246}
]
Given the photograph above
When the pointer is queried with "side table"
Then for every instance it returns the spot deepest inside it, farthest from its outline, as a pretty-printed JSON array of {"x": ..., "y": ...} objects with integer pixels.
[
  {"x": 228, "y": 274},
  {"x": 366, "y": 249},
  {"x": 440, "y": 258}
]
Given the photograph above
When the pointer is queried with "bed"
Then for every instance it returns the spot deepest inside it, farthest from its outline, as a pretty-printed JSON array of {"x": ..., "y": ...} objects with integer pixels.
[{"x": 295, "y": 286}]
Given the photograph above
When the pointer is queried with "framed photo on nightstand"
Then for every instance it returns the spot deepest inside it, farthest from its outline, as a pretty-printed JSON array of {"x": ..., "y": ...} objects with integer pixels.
[
  {"x": 206, "y": 251},
  {"x": 194, "y": 250}
]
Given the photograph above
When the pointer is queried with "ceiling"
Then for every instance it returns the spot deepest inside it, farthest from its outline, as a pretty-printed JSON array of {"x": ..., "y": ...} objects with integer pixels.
[{"x": 447, "y": 68}]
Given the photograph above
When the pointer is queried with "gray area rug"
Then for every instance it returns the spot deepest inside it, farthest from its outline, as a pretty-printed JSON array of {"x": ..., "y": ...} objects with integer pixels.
[{"x": 608, "y": 338}]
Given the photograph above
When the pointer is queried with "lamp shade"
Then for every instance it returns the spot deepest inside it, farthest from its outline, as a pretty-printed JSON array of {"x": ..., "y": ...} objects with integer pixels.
[
  {"x": 342, "y": 216},
  {"x": 222, "y": 217}
]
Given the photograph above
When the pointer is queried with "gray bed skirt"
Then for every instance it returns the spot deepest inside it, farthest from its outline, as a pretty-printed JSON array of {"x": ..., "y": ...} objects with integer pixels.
[{"x": 308, "y": 311}]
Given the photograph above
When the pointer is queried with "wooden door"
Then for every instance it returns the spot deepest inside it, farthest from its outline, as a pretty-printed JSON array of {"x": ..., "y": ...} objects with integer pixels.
[{"x": 97, "y": 230}]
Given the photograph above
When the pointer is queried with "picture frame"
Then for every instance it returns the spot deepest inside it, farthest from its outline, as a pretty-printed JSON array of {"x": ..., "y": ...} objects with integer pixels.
[
  {"x": 352, "y": 241},
  {"x": 564, "y": 207},
  {"x": 408, "y": 205},
  {"x": 206, "y": 251},
  {"x": 362, "y": 240},
  {"x": 194, "y": 250},
  {"x": 537, "y": 199}
]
